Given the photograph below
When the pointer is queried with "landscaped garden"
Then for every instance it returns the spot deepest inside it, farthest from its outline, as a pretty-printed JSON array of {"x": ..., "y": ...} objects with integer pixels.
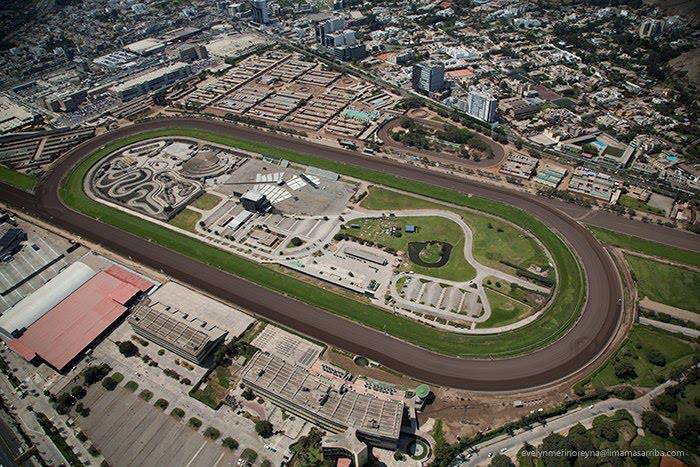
[{"x": 390, "y": 232}]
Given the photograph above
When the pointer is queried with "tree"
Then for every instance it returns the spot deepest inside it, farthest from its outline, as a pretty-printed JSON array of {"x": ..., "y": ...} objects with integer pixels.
[
  {"x": 556, "y": 442},
  {"x": 665, "y": 402},
  {"x": 687, "y": 429},
  {"x": 78, "y": 392},
  {"x": 248, "y": 394},
  {"x": 625, "y": 370},
  {"x": 655, "y": 357},
  {"x": 128, "y": 349},
  {"x": 625, "y": 393},
  {"x": 93, "y": 374},
  {"x": 263, "y": 428},
  {"x": 608, "y": 431},
  {"x": 398, "y": 456},
  {"x": 108, "y": 383},
  {"x": 230, "y": 443},
  {"x": 654, "y": 423},
  {"x": 501, "y": 461}
]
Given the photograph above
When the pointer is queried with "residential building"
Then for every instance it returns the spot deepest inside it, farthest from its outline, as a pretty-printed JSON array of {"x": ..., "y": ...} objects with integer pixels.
[
  {"x": 482, "y": 106},
  {"x": 428, "y": 77}
]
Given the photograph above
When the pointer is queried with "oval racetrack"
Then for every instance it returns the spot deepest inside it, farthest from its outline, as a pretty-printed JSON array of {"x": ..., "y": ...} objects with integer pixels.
[{"x": 576, "y": 350}]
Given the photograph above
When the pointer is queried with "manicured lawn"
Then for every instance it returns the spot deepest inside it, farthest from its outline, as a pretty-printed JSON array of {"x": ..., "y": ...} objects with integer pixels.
[
  {"x": 667, "y": 284},
  {"x": 17, "y": 179},
  {"x": 504, "y": 310},
  {"x": 646, "y": 247},
  {"x": 186, "y": 219},
  {"x": 206, "y": 201},
  {"x": 641, "y": 340},
  {"x": 565, "y": 308},
  {"x": 429, "y": 228},
  {"x": 514, "y": 291},
  {"x": 638, "y": 205},
  {"x": 494, "y": 240}
]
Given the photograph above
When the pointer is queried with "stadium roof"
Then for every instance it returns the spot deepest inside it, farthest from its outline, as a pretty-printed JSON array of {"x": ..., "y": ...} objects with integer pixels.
[{"x": 69, "y": 327}]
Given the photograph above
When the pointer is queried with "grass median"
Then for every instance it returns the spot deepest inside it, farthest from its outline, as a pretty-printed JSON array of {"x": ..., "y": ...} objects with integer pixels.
[
  {"x": 646, "y": 247},
  {"x": 17, "y": 179},
  {"x": 563, "y": 312}
]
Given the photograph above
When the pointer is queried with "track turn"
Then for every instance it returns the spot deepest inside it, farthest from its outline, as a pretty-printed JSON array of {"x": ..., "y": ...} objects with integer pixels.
[{"x": 580, "y": 347}]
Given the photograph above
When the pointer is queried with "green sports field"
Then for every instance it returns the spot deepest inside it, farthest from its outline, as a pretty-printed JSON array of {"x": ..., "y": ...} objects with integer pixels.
[
  {"x": 563, "y": 312},
  {"x": 17, "y": 179}
]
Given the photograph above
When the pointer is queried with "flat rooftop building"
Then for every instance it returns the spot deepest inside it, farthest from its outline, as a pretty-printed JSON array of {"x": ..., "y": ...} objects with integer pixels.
[
  {"x": 151, "y": 81},
  {"x": 188, "y": 336},
  {"x": 333, "y": 407},
  {"x": 365, "y": 255}
]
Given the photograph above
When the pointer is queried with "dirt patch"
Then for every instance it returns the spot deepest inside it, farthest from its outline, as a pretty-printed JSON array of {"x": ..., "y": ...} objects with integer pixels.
[{"x": 345, "y": 361}]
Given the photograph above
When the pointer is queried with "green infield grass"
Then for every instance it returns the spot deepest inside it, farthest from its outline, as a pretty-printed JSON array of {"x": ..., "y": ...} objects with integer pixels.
[
  {"x": 494, "y": 240},
  {"x": 206, "y": 201},
  {"x": 429, "y": 228},
  {"x": 504, "y": 310},
  {"x": 186, "y": 219},
  {"x": 565, "y": 308}
]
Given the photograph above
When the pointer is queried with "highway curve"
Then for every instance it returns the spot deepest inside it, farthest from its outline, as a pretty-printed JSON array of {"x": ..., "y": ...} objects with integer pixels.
[{"x": 574, "y": 351}]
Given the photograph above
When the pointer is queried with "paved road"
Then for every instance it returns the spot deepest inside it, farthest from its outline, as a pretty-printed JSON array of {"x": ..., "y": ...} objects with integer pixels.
[
  {"x": 578, "y": 348},
  {"x": 510, "y": 445}
]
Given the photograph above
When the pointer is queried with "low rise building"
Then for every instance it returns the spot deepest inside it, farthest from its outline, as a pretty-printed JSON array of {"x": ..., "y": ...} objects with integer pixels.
[
  {"x": 152, "y": 81},
  {"x": 519, "y": 165},
  {"x": 188, "y": 336},
  {"x": 333, "y": 407}
]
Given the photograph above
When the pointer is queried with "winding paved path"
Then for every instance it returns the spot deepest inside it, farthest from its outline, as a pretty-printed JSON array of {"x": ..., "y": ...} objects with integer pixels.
[{"x": 576, "y": 350}]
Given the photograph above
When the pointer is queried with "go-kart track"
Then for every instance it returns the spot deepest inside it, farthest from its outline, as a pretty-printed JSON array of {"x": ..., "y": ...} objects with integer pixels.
[{"x": 578, "y": 349}]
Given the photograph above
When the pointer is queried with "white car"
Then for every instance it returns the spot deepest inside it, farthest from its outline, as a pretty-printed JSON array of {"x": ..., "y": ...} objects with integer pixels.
[{"x": 503, "y": 450}]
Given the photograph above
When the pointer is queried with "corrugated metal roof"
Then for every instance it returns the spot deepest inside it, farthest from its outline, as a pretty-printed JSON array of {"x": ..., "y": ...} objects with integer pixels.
[
  {"x": 34, "y": 306},
  {"x": 62, "y": 333}
]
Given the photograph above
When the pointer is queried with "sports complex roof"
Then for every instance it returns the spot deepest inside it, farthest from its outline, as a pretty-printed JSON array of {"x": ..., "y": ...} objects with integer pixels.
[{"x": 70, "y": 326}]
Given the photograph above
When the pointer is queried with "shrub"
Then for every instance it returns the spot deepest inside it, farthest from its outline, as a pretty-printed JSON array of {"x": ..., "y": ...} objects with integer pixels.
[
  {"x": 117, "y": 377},
  {"x": 212, "y": 433},
  {"x": 296, "y": 241},
  {"x": 162, "y": 404},
  {"x": 398, "y": 456},
  {"x": 177, "y": 412},
  {"x": 161, "y": 352},
  {"x": 195, "y": 423},
  {"x": 132, "y": 386},
  {"x": 687, "y": 429},
  {"x": 128, "y": 349},
  {"x": 230, "y": 443},
  {"x": 608, "y": 431},
  {"x": 146, "y": 395},
  {"x": 263, "y": 428}
]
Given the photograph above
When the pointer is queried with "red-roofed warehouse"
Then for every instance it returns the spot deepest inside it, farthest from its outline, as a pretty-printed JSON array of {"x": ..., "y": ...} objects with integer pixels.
[{"x": 68, "y": 328}]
